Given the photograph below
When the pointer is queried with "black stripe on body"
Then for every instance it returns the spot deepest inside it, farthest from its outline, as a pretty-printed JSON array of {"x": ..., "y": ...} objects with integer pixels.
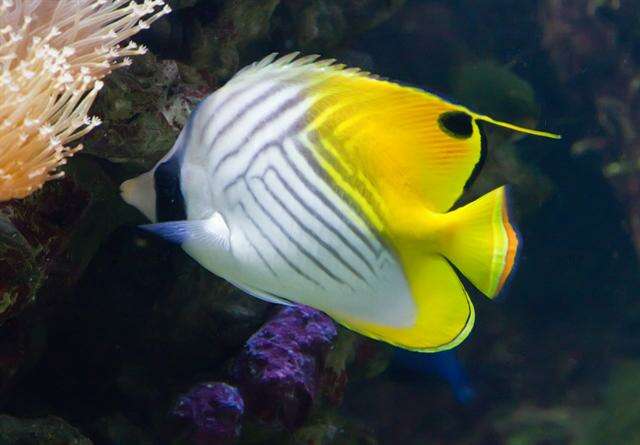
[
  {"x": 347, "y": 177},
  {"x": 262, "y": 258},
  {"x": 321, "y": 219},
  {"x": 292, "y": 240},
  {"x": 239, "y": 90},
  {"x": 317, "y": 168},
  {"x": 259, "y": 126},
  {"x": 241, "y": 112},
  {"x": 312, "y": 189},
  {"x": 295, "y": 268},
  {"x": 326, "y": 201},
  {"x": 226, "y": 101},
  {"x": 301, "y": 224},
  {"x": 296, "y": 125}
]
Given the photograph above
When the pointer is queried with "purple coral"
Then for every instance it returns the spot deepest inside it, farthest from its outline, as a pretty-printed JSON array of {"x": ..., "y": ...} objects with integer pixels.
[
  {"x": 214, "y": 410},
  {"x": 278, "y": 369}
]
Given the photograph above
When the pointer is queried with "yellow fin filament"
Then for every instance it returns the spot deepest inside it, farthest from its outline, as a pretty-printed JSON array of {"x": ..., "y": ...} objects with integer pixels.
[{"x": 519, "y": 129}]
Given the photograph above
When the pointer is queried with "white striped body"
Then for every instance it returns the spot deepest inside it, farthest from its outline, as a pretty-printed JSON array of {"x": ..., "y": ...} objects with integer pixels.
[
  {"x": 247, "y": 154},
  {"x": 302, "y": 181}
]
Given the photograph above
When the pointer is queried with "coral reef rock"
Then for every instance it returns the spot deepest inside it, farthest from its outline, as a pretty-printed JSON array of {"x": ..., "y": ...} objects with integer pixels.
[
  {"x": 213, "y": 410},
  {"x": 279, "y": 367},
  {"x": 47, "y": 431}
]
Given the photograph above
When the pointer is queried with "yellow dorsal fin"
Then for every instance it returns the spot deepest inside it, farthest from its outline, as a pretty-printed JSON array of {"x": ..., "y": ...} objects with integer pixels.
[{"x": 410, "y": 145}]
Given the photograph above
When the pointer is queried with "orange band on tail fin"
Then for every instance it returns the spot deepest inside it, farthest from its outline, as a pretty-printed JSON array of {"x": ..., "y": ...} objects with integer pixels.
[
  {"x": 512, "y": 237},
  {"x": 480, "y": 241}
]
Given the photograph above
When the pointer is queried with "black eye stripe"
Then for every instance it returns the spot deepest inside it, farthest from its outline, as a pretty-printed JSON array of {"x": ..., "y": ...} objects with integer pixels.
[
  {"x": 170, "y": 205},
  {"x": 457, "y": 124},
  {"x": 169, "y": 200}
]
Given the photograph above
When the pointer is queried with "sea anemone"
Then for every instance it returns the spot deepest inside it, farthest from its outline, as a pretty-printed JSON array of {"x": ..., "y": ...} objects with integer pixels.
[{"x": 53, "y": 54}]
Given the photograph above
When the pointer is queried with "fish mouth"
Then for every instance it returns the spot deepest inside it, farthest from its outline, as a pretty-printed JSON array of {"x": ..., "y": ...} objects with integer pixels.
[
  {"x": 131, "y": 192},
  {"x": 126, "y": 189},
  {"x": 139, "y": 192}
]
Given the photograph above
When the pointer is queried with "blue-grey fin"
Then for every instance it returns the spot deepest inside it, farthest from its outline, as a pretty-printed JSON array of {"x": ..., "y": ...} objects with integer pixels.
[
  {"x": 262, "y": 295},
  {"x": 208, "y": 231}
]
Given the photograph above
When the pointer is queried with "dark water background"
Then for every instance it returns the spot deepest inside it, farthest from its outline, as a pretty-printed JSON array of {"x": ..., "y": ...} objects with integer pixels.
[{"x": 554, "y": 361}]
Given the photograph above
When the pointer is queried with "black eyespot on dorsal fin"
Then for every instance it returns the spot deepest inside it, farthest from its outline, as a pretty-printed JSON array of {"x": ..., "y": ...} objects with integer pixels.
[{"x": 457, "y": 124}]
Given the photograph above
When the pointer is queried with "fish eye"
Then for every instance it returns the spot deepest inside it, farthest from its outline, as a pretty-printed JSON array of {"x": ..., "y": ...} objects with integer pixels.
[{"x": 456, "y": 124}]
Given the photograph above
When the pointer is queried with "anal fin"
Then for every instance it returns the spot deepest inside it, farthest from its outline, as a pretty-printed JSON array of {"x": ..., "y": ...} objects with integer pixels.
[{"x": 262, "y": 295}]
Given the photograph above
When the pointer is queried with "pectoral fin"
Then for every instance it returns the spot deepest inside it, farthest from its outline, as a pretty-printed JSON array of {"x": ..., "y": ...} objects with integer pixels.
[{"x": 212, "y": 232}]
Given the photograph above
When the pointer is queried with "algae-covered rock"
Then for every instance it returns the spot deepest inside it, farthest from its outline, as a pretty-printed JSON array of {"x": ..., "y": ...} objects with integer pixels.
[
  {"x": 117, "y": 429},
  {"x": 46, "y": 431},
  {"x": 21, "y": 276},
  {"x": 218, "y": 37},
  {"x": 51, "y": 236},
  {"x": 46, "y": 242},
  {"x": 530, "y": 425},
  {"x": 176, "y": 5},
  {"x": 143, "y": 109},
  {"x": 618, "y": 420},
  {"x": 613, "y": 418},
  {"x": 495, "y": 90},
  {"x": 35, "y": 234},
  {"x": 333, "y": 429},
  {"x": 323, "y": 24},
  {"x": 593, "y": 48},
  {"x": 204, "y": 320},
  {"x": 216, "y": 44}
]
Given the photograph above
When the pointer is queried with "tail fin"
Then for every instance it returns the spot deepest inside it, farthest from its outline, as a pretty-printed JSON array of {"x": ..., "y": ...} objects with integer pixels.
[{"x": 481, "y": 242}]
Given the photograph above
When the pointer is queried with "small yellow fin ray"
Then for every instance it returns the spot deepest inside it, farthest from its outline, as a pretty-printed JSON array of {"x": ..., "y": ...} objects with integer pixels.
[
  {"x": 444, "y": 315},
  {"x": 480, "y": 241},
  {"x": 519, "y": 129}
]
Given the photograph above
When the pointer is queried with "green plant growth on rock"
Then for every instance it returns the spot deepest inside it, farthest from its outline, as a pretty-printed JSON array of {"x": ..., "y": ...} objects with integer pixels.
[{"x": 618, "y": 421}]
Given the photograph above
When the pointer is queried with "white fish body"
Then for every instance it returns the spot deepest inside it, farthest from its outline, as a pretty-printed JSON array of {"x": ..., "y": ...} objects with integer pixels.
[
  {"x": 290, "y": 234},
  {"x": 305, "y": 182}
]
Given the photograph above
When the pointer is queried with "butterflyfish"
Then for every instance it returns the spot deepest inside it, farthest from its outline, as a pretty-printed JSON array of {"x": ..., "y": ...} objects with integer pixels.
[{"x": 302, "y": 181}]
